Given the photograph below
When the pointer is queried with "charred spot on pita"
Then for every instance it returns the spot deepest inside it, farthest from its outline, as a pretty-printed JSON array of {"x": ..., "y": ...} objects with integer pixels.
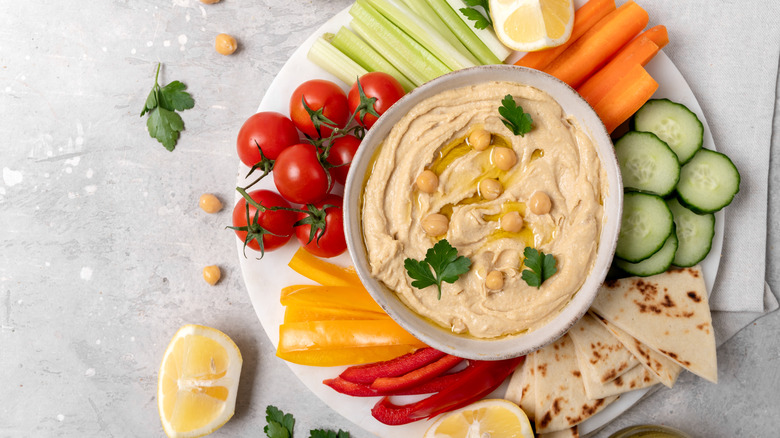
[{"x": 694, "y": 296}]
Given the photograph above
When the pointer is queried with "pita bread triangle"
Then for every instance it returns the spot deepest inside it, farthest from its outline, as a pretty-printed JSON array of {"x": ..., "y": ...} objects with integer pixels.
[
  {"x": 521, "y": 389},
  {"x": 668, "y": 312},
  {"x": 664, "y": 369},
  {"x": 561, "y": 401},
  {"x": 565, "y": 433},
  {"x": 601, "y": 356},
  {"x": 636, "y": 378}
]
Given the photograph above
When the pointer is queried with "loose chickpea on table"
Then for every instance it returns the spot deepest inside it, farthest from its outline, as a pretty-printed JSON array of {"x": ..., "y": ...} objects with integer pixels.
[
  {"x": 225, "y": 44},
  {"x": 209, "y": 203}
]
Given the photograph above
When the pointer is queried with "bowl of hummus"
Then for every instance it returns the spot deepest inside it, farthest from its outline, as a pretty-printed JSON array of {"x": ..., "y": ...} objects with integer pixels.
[{"x": 482, "y": 210}]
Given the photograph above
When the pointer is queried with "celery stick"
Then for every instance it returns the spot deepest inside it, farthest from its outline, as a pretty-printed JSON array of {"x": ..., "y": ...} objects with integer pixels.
[
  {"x": 366, "y": 56},
  {"x": 424, "y": 11},
  {"x": 487, "y": 35},
  {"x": 420, "y": 31},
  {"x": 334, "y": 62},
  {"x": 401, "y": 62},
  {"x": 464, "y": 32},
  {"x": 402, "y": 51}
]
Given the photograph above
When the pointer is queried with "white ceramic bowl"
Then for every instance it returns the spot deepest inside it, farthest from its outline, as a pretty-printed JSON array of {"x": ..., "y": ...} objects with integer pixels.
[{"x": 434, "y": 335}]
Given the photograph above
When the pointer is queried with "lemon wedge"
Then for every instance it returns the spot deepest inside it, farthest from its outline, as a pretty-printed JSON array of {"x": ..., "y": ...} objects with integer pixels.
[
  {"x": 198, "y": 381},
  {"x": 493, "y": 417},
  {"x": 529, "y": 25}
]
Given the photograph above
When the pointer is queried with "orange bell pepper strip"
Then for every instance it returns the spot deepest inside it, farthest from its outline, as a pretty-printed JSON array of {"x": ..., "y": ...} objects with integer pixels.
[
  {"x": 300, "y": 313},
  {"x": 322, "y": 272},
  {"x": 332, "y": 296}
]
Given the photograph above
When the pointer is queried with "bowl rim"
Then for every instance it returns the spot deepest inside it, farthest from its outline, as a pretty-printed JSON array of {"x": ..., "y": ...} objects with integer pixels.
[{"x": 428, "y": 331}]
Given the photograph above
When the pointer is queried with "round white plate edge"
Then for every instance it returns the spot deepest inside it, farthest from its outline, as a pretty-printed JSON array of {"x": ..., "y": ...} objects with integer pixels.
[{"x": 672, "y": 85}]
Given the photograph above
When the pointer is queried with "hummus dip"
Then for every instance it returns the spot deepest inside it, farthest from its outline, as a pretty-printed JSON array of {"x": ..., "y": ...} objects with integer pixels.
[{"x": 556, "y": 157}]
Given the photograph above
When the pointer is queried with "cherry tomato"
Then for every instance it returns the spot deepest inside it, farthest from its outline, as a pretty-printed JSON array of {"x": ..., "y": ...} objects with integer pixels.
[
  {"x": 279, "y": 222},
  {"x": 319, "y": 94},
  {"x": 384, "y": 87},
  {"x": 299, "y": 175},
  {"x": 271, "y": 131},
  {"x": 342, "y": 151},
  {"x": 331, "y": 241}
]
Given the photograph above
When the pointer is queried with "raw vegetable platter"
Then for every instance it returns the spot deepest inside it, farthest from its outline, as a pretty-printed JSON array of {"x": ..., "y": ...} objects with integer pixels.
[{"x": 265, "y": 278}]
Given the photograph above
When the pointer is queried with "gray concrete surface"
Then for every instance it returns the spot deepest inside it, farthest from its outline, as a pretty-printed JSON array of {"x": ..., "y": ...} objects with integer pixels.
[{"x": 102, "y": 242}]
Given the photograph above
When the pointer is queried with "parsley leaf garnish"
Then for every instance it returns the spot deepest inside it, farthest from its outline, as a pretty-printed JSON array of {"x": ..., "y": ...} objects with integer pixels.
[
  {"x": 164, "y": 123},
  {"x": 480, "y": 21},
  {"x": 443, "y": 259},
  {"x": 280, "y": 425},
  {"x": 322, "y": 433},
  {"x": 514, "y": 118},
  {"x": 540, "y": 266}
]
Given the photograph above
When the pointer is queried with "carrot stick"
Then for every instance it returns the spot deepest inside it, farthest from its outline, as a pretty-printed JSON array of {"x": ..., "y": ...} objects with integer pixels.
[
  {"x": 640, "y": 51},
  {"x": 658, "y": 35},
  {"x": 625, "y": 97},
  {"x": 584, "y": 18},
  {"x": 597, "y": 45}
]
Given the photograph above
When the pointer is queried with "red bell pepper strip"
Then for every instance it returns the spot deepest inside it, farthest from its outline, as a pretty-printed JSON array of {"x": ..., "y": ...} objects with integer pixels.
[
  {"x": 351, "y": 388},
  {"x": 362, "y": 390},
  {"x": 435, "y": 385},
  {"x": 390, "y": 385},
  {"x": 476, "y": 382},
  {"x": 391, "y": 368}
]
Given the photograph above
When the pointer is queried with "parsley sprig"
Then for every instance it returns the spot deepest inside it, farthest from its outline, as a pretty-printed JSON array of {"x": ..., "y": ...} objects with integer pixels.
[
  {"x": 441, "y": 263},
  {"x": 514, "y": 118},
  {"x": 281, "y": 425},
  {"x": 164, "y": 123},
  {"x": 480, "y": 21},
  {"x": 540, "y": 266}
]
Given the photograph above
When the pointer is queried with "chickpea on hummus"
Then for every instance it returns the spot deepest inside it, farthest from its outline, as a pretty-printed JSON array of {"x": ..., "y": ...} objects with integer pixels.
[{"x": 451, "y": 169}]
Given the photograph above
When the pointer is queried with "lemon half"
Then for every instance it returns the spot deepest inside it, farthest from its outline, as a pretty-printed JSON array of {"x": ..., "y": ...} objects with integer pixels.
[
  {"x": 493, "y": 417},
  {"x": 529, "y": 25},
  {"x": 198, "y": 381}
]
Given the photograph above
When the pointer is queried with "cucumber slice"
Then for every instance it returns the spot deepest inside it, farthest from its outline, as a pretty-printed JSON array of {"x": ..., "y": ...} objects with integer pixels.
[
  {"x": 694, "y": 234},
  {"x": 656, "y": 264},
  {"x": 647, "y": 163},
  {"x": 708, "y": 182},
  {"x": 673, "y": 123},
  {"x": 646, "y": 224}
]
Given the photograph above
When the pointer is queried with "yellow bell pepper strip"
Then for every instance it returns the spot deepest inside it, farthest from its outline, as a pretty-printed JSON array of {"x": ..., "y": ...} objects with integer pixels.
[
  {"x": 300, "y": 313},
  {"x": 345, "y": 356},
  {"x": 290, "y": 289},
  {"x": 343, "y": 342},
  {"x": 332, "y": 296},
  {"x": 322, "y": 272}
]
